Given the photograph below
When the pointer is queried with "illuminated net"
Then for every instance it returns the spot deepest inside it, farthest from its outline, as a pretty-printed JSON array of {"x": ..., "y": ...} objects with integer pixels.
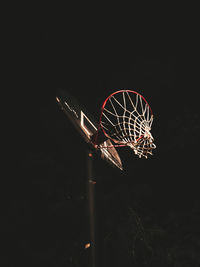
[{"x": 127, "y": 119}]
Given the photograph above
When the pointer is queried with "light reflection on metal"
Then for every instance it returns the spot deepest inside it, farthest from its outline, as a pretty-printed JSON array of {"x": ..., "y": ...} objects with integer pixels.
[
  {"x": 71, "y": 109},
  {"x": 84, "y": 117},
  {"x": 87, "y": 245},
  {"x": 92, "y": 182}
]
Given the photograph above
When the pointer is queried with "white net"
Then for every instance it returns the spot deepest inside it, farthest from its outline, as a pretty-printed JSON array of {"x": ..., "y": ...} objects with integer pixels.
[{"x": 126, "y": 119}]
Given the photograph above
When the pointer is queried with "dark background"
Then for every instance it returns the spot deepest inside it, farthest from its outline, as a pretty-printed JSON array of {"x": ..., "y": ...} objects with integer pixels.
[{"x": 147, "y": 215}]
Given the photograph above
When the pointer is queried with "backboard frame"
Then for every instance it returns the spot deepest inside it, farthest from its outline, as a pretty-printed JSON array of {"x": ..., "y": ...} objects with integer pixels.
[{"x": 86, "y": 126}]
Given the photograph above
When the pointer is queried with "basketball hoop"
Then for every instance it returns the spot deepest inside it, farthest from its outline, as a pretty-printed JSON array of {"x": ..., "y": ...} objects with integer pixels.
[{"x": 126, "y": 119}]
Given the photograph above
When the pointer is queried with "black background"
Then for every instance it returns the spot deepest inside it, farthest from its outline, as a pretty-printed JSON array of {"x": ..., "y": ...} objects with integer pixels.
[{"x": 46, "y": 219}]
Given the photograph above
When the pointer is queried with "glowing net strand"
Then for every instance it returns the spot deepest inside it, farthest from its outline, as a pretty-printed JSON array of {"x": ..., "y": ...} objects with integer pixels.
[
  {"x": 129, "y": 118},
  {"x": 131, "y": 128},
  {"x": 115, "y": 134},
  {"x": 116, "y": 115},
  {"x": 136, "y": 123},
  {"x": 124, "y": 117},
  {"x": 125, "y": 110}
]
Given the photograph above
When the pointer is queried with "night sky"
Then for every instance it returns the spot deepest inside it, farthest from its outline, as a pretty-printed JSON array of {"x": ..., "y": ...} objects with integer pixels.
[{"x": 147, "y": 215}]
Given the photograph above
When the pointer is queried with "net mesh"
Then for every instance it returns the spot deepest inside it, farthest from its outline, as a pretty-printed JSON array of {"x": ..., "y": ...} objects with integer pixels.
[{"x": 127, "y": 119}]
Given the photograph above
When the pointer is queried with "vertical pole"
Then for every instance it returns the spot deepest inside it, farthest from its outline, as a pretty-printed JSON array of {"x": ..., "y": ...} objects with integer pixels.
[{"x": 91, "y": 199}]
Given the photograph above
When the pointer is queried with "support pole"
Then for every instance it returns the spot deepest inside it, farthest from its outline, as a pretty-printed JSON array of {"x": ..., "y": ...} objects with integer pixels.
[{"x": 91, "y": 199}]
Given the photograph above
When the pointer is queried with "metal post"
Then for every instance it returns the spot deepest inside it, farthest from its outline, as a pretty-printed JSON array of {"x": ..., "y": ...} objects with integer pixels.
[{"x": 91, "y": 199}]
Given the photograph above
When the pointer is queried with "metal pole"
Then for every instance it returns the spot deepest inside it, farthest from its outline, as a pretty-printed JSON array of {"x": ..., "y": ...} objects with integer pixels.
[{"x": 91, "y": 199}]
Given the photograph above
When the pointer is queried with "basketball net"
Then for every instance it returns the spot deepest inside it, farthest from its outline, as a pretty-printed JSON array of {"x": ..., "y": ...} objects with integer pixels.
[{"x": 126, "y": 119}]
